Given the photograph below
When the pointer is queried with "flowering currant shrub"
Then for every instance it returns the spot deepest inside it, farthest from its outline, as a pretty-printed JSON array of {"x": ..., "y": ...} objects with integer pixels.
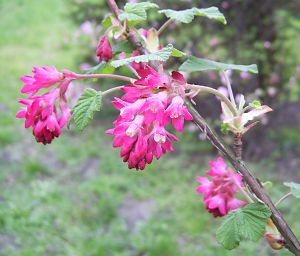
[{"x": 154, "y": 100}]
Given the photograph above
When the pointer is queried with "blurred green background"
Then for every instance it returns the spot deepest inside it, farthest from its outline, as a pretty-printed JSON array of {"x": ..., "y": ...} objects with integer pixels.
[{"x": 76, "y": 197}]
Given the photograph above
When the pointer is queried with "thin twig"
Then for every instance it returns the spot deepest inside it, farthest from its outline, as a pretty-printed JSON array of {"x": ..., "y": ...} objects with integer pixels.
[
  {"x": 283, "y": 198},
  {"x": 215, "y": 92},
  {"x": 109, "y": 91},
  {"x": 164, "y": 26}
]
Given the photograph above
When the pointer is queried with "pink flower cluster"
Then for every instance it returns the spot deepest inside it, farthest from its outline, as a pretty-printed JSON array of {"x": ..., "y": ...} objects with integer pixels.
[
  {"x": 220, "y": 192},
  {"x": 40, "y": 111},
  {"x": 148, "y": 105}
]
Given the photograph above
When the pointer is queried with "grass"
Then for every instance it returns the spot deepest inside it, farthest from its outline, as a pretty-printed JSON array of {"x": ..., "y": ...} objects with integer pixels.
[{"x": 76, "y": 197}]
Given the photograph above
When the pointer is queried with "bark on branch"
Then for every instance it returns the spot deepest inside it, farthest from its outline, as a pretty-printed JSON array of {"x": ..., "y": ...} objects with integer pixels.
[{"x": 292, "y": 243}]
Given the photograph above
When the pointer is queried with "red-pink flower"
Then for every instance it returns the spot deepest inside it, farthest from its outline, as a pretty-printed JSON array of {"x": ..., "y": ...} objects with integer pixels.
[
  {"x": 140, "y": 129},
  {"x": 177, "y": 112},
  {"x": 151, "y": 78},
  {"x": 40, "y": 111},
  {"x": 220, "y": 192},
  {"x": 104, "y": 51},
  {"x": 41, "y": 114},
  {"x": 43, "y": 77},
  {"x": 138, "y": 133}
]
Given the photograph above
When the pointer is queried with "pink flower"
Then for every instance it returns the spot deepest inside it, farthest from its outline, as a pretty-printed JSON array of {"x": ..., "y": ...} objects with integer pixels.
[
  {"x": 138, "y": 133},
  {"x": 40, "y": 111},
  {"x": 220, "y": 192},
  {"x": 177, "y": 112},
  {"x": 151, "y": 78},
  {"x": 104, "y": 51},
  {"x": 41, "y": 114},
  {"x": 214, "y": 42},
  {"x": 154, "y": 108},
  {"x": 43, "y": 77},
  {"x": 140, "y": 129}
]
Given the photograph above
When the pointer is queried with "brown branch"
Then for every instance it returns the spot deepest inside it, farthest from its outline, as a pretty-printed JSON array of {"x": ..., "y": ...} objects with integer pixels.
[
  {"x": 130, "y": 34},
  {"x": 292, "y": 243},
  {"x": 238, "y": 146}
]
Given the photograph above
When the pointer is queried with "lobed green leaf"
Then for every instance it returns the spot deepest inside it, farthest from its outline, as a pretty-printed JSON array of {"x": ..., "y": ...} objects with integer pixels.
[
  {"x": 89, "y": 102},
  {"x": 247, "y": 222},
  {"x": 187, "y": 16},
  {"x": 136, "y": 11},
  {"x": 198, "y": 64},
  {"x": 161, "y": 55}
]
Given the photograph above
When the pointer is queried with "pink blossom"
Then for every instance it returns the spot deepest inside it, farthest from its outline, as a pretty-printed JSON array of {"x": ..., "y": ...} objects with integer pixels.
[
  {"x": 177, "y": 112},
  {"x": 272, "y": 91},
  {"x": 40, "y": 111},
  {"x": 140, "y": 143},
  {"x": 223, "y": 90},
  {"x": 245, "y": 75},
  {"x": 139, "y": 132},
  {"x": 154, "y": 108},
  {"x": 225, "y": 5},
  {"x": 220, "y": 192},
  {"x": 267, "y": 44},
  {"x": 41, "y": 114},
  {"x": 104, "y": 51},
  {"x": 144, "y": 87},
  {"x": 43, "y": 77},
  {"x": 87, "y": 27},
  {"x": 151, "y": 78},
  {"x": 146, "y": 108},
  {"x": 214, "y": 42}
]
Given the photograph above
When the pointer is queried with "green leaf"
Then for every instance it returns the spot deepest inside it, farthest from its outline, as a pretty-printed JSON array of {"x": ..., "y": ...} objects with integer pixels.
[
  {"x": 161, "y": 55},
  {"x": 255, "y": 104},
  {"x": 211, "y": 13},
  {"x": 89, "y": 102},
  {"x": 225, "y": 128},
  {"x": 187, "y": 16},
  {"x": 199, "y": 64},
  {"x": 123, "y": 46},
  {"x": 177, "y": 53},
  {"x": 136, "y": 11},
  {"x": 103, "y": 68},
  {"x": 247, "y": 222},
  {"x": 295, "y": 188},
  {"x": 106, "y": 22}
]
